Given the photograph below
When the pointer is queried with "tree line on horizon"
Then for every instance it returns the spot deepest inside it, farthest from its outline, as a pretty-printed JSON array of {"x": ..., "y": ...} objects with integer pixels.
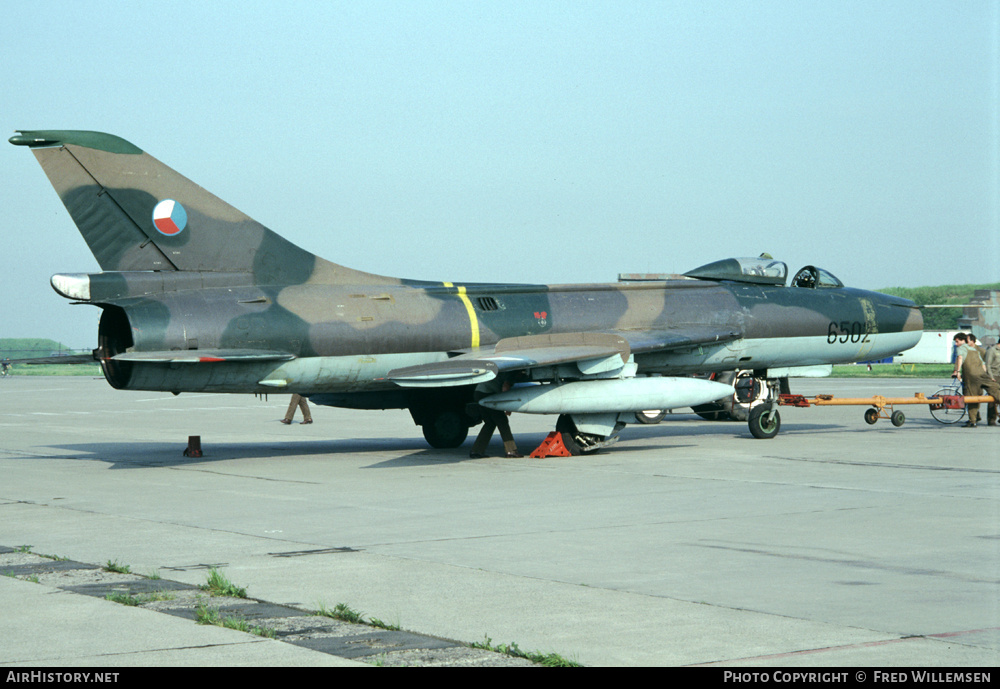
[
  {"x": 29, "y": 347},
  {"x": 940, "y": 319}
]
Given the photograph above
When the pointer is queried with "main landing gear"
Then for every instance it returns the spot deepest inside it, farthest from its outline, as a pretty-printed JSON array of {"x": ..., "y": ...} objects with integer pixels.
[
  {"x": 443, "y": 416},
  {"x": 446, "y": 428},
  {"x": 586, "y": 433}
]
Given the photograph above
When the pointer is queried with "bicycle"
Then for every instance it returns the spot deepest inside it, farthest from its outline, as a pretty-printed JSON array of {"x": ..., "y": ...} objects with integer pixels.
[{"x": 949, "y": 410}]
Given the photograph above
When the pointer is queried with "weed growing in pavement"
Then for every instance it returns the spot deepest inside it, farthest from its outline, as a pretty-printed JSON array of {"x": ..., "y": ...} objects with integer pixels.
[
  {"x": 512, "y": 650},
  {"x": 219, "y": 585},
  {"x": 212, "y": 616},
  {"x": 125, "y": 598},
  {"x": 342, "y": 612},
  {"x": 115, "y": 566}
]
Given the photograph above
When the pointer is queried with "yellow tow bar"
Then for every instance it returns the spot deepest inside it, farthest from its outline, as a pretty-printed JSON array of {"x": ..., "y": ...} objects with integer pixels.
[{"x": 883, "y": 407}]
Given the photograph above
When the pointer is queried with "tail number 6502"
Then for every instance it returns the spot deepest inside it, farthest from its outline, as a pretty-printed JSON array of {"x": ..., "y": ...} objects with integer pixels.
[{"x": 847, "y": 331}]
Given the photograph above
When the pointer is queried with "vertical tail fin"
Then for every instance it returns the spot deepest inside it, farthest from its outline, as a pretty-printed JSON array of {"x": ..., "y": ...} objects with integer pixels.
[{"x": 136, "y": 213}]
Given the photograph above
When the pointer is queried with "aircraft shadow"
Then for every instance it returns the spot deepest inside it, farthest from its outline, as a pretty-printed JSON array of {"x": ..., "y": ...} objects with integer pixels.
[
  {"x": 410, "y": 452},
  {"x": 141, "y": 455}
]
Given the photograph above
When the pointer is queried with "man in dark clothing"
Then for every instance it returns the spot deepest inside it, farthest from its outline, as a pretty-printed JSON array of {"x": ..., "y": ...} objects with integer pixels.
[
  {"x": 493, "y": 420},
  {"x": 970, "y": 370}
]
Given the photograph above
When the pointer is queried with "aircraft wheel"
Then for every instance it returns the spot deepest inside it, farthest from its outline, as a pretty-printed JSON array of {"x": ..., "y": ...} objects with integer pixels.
[
  {"x": 898, "y": 418},
  {"x": 446, "y": 429},
  {"x": 871, "y": 416},
  {"x": 573, "y": 440},
  {"x": 764, "y": 423},
  {"x": 650, "y": 416}
]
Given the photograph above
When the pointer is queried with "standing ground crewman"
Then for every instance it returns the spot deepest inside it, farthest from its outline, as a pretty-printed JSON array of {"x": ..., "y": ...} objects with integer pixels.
[
  {"x": 298, "y": 402},
  {"x": 493, "y": 419},
  {"x": 992, "y": 362},
  {"x": 970, "y": 370}
]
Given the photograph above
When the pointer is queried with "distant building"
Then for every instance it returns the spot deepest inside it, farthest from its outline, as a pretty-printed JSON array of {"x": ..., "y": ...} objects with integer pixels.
[{"x": 935, "y": 347}]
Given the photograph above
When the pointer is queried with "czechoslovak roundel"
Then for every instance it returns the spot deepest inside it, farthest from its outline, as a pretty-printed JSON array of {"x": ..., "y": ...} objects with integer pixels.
[{"x": 169, "y": 217}]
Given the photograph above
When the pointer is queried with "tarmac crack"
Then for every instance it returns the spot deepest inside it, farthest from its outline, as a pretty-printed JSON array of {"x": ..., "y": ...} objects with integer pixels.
[
  {"x": 244, "y": 476},
  {"x": 884, "y": 465},
  {"x": 854, "y": 562},
  {"x": 948, "y": 637}
]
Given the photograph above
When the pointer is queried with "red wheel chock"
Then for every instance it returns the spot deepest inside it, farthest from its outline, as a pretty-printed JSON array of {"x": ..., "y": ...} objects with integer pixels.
[{"x": 552, "y": 446}]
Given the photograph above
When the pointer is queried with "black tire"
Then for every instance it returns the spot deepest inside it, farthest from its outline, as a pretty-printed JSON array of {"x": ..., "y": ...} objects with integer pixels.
[
  {"x": 871, "y": 416},
  {"x": 446, "y": 430},
  {"x": 650, "y": 416},
  {"x": 898, "y": 418},
  {"x": 764, "y": 425},
  {"x": 574, "y": 440}
]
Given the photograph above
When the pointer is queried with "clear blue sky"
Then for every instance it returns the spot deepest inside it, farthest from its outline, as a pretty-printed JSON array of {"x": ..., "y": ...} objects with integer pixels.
[{"x": 527, "y": 141}]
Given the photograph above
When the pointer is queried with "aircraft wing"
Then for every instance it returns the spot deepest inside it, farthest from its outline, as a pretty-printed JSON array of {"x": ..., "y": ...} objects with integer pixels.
[
  {"x": 645, "y": 341},
  {"x": 189, "y": 356},
  {"x": 480, "y": 366},
  {"x": 195, "y": 356},
  {"x": 592, "y": 352}
]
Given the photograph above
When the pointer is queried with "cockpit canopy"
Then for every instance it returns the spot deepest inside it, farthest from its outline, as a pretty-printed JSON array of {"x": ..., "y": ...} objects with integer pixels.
[
  {"x": 764, "y": 270},
  {"x": 812, "y": 277},
  {"x": 761, "y": 270}
]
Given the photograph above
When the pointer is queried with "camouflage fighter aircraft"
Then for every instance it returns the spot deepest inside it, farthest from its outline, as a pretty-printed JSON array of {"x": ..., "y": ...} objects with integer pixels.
[{"x": 198, "y": 297}]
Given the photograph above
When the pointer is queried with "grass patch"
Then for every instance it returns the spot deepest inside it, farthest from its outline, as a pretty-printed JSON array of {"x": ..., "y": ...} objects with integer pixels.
[
  {"x": 33, "y": 578},
  {"x": 512, "y": 650},
  {"x": 212, "y": 616},
  {"x": 893, "y": 371},
  {"x": 28, "y": 549},
  {"x": 342, "y": 612},
  {"x": 123, "y": 598},
  {"x": 130, "y": 599},
  {"x": 93, "y": 370},
  {"x": 345, "y": 613},
  {"x": 219, "y": 585},
  {"x": 116, "y": 566},
  {"x": 376, "y": 622}
]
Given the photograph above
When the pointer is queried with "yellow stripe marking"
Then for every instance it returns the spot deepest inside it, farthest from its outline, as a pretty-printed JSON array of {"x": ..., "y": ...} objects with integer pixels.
[{"x": 473, "y": 319}]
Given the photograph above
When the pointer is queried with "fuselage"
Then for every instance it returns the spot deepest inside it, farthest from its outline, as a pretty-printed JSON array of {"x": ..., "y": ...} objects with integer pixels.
[{"x": 346, "y": 338}]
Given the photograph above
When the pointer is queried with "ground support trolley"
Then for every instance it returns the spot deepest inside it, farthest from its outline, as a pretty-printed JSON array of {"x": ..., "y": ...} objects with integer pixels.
[{"x": 883, "y": 407}]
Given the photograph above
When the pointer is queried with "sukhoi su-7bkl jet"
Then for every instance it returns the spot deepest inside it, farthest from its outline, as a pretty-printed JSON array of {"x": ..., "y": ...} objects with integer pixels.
[{"x": 198, "y": 297}]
